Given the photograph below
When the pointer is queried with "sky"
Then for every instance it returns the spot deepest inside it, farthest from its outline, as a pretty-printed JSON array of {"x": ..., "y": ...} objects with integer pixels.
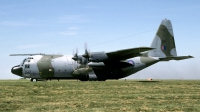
[{"x": 59, "y": 26}]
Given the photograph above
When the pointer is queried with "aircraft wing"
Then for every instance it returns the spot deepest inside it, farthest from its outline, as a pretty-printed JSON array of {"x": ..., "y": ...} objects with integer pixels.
[
  {"x": 127, "y": 53},
  {"x": 26, "y": 54},
  {"x": 175, "y": 58}
]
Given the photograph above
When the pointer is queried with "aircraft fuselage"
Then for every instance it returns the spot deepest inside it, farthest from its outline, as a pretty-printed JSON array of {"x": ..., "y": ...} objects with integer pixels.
[{"x": 64, "y": 67}]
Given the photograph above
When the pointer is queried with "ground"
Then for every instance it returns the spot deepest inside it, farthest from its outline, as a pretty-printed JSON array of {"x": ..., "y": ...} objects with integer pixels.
[{"x": 100, "y": 96}]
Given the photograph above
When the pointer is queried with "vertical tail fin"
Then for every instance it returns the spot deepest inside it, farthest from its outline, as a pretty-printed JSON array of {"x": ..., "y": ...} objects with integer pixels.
[{"x": 163, "y": 41}]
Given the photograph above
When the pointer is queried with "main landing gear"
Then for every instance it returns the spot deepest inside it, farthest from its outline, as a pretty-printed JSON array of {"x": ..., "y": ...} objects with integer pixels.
[{"x": 33, "y": 80}]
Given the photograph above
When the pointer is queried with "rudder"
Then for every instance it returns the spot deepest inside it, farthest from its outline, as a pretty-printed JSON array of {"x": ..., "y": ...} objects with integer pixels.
[{"x": 163, "y": 41}]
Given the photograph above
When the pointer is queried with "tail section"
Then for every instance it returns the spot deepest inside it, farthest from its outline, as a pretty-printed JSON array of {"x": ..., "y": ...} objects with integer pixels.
[{"x": 163, "y": 41}]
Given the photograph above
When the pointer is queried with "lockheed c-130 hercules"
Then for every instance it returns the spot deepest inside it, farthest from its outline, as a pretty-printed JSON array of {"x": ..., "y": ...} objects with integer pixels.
[{"x": 100, "y": 65}]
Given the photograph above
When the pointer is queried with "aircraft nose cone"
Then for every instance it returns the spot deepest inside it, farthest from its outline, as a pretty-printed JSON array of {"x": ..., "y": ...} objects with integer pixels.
[{"x": 17, "y": 70}]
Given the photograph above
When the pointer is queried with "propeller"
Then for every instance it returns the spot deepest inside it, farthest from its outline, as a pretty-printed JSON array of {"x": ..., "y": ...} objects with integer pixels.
[
  {"x": 87, "y": 53},
  {"x": 75, "y": 58},
  {"x": 82, "y": 59}
]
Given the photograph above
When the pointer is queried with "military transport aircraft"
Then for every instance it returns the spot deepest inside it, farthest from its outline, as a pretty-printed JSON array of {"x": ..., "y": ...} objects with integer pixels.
[{"x": 100, "y": 65}]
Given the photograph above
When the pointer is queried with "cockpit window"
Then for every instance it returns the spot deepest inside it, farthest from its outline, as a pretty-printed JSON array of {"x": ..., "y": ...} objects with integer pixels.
[
  {"x": 23, "y": 62},
  {"x": 27, "y": 66},
  {"x": 30, "y": 57}
]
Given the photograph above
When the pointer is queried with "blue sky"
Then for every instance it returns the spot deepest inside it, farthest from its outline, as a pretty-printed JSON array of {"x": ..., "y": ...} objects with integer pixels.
[{"x": 59, "y": 26}]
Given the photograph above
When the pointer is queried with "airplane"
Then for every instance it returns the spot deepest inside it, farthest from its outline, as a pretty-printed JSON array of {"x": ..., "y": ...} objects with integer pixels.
[{"x": 100, "y": 66}]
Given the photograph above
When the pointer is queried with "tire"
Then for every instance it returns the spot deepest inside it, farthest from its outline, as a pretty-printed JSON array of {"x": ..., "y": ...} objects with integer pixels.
[{"x": 34, "y": 80}]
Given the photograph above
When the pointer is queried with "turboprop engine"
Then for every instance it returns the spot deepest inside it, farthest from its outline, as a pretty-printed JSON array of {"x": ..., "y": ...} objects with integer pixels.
[
  {"x": 88, "y": 61},
  {"x": 99, "y": 65},
  {"x": 98, "y": 56}
]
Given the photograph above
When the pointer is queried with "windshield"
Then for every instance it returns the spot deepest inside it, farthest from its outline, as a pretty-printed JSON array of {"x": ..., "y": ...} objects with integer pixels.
[{"x": 22, "y": 63}]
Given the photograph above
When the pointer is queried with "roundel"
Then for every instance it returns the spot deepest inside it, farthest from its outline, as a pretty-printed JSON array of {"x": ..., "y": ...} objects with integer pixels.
[{"x": 131, "y": 62}]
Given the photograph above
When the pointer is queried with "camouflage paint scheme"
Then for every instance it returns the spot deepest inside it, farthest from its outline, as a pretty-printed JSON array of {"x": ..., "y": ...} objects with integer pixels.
[{"x": 100, "y": 65}]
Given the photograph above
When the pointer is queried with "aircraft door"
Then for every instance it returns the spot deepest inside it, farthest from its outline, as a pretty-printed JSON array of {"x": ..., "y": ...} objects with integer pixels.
[{"x": 27, "y": 68}]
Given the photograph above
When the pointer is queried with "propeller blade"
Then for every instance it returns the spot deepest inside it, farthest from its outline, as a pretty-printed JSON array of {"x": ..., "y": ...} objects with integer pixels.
[
  {"x": 87, "y": 54},
  {"x": 75, "y": 58}
]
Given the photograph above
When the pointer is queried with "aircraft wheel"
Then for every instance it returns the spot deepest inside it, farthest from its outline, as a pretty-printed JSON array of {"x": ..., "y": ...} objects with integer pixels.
[
  {"x": 31, "y": 80},
  {"x": 34, "y": 80}
]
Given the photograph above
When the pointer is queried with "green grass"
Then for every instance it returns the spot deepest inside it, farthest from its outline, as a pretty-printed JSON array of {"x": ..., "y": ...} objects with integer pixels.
[{"x": 130, "y": 95}]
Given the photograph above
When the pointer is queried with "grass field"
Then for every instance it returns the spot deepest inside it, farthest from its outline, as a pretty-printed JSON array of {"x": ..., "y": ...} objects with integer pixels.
[{"x": 130, "y": 95}]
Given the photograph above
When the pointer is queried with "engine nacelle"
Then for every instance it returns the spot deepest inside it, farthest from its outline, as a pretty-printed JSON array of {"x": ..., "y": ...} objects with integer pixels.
[
  {"x": 98, "y": 56},
  {"x": 99, "y": 65},
  {"x": 81, "y": 72},
  {"x": 92, "y": 77}
]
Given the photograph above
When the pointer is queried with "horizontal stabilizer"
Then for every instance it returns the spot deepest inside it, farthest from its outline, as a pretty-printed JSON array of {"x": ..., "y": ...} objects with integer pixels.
[
  {"x": 175, "y": 58},
  {"x": 26, "y": 54}
]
